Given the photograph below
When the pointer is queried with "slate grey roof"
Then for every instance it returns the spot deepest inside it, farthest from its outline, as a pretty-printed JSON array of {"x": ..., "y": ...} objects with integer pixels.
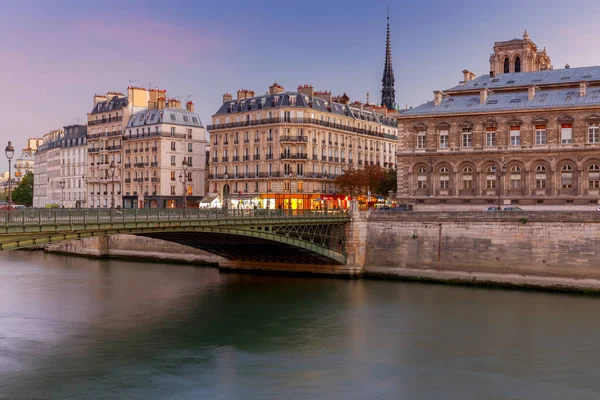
[
  {"x": 114, "y": 103},
  {"x": 553, "y": 76},
  {"x": 508, "y": 101},
  {"x": 174, "y": 116},
  {"x": 302, "y": 102}
]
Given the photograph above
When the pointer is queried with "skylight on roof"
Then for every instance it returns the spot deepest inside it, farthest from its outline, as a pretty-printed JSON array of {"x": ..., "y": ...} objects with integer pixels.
[
  {"x": 511, "y": 81},
  {"x": 515, "y": 100},
  {"x": 495, "y": 80},
  {"x": 492, "y": 101},
  {"x": 564, "y": 78}
]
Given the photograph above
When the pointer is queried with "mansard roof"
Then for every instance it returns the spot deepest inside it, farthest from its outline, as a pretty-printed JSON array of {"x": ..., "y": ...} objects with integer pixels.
[
  {"x": 539, "y": 78},
  {"x": 172, "y": 116},
  {"x": 114, "y": 103},
  {"x": 302, "y": 101},
  {"x": 509, "y": 101}
]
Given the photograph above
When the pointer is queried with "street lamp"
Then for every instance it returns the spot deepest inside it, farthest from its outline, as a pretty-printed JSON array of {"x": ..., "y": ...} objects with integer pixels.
[
  {"x": 112, "y": 168},
  {"x": 84, "y": 201},
  {"x": 268, "y": 199},
  {"x": 62, "y": 183},
  {"x": 225, "y": 191},
  {"x": 183, "y": 179},
  {"x": 499, "y": 174},
  {"x": 10, "y": 152}
]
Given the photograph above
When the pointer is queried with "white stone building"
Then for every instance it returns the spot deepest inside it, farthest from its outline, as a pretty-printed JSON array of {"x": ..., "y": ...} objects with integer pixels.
[{"x": 156, "y": 142}]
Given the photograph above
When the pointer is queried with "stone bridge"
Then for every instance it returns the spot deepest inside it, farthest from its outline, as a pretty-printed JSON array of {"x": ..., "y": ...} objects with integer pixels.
[{"x": 253, "y": 236}]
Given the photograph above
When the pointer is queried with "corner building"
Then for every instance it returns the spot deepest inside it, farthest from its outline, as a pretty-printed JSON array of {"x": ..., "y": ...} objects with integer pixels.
[
  {"x": 156, "y": 143},
  {"x": 528, "y": 137},
  {"x": 284, "y": 149}
]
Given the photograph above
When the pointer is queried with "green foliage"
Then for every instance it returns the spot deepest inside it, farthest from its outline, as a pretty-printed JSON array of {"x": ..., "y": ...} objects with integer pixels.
[
  {"x": 523, "y": 220},
  {"x": 23, "y": 194},
  {"x": 370, "y": 178}
]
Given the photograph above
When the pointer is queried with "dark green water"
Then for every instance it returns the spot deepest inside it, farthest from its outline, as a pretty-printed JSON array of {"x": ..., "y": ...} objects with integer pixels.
[{"x": 73, "y": 328}]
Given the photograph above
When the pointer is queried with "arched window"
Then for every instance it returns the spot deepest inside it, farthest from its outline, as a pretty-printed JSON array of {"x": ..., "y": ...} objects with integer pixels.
[
  {"x": 594, "y": 176},
  {"x": 467, "y": 178},
  {"x": 566, "y": 176},
  {"x": 518, "y": 64},
  {"x": 506, "y": 65},
  {"x": 422, "y": 178},
  {"x": 444, "y": 178},
  {"x": 540, "y": 168},
  {"x": 490, "y": 177},
  {"x": 515, "y": 177}
]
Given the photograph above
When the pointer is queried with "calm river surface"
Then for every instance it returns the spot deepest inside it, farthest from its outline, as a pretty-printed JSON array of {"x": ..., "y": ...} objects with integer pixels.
[{"x": 73, "y": 328}]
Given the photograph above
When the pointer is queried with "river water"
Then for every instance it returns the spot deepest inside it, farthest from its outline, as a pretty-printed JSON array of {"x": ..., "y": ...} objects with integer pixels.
[{"x": 73, "y": 328}]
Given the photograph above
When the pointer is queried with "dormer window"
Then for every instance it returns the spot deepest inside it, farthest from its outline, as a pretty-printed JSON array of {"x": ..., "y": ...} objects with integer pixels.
[
  {"x": 292, "y": 100},
  {"x": 275, "y": 100}
]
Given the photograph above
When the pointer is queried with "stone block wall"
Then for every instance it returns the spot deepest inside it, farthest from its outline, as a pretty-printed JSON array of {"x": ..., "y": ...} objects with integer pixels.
[{"x": 546, "y": 244}]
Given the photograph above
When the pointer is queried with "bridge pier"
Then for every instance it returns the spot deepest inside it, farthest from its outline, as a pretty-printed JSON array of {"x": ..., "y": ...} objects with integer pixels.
[{"x": 356, "y": 238}]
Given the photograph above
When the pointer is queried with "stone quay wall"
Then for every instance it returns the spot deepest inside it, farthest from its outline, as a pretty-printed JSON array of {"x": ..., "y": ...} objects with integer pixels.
[{"x": 545, "y": 249}]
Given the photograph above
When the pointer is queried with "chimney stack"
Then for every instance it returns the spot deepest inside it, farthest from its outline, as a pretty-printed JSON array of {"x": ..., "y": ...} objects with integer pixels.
[
  {"x": 174, "y": 103},
  {"x": 306, "y": 90},
  {"x": 437, "y": 97},
  {"x": 99, "y": 98},
  {"x": 227, "y": 97},
  {"x": 582, "y": 88},
  {"x": 483, "y": 95},
  {"x": 275, "y": 88},
  {"x": 189, "y": 106},
  {"x": 468, "y": 75},
  {"x": 531, "y": 93},
  {"x": 324, "y": 95},
  {"x": 160, "y": 103}
]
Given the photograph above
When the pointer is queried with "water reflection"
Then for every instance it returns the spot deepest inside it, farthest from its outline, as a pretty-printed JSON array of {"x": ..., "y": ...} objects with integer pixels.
[{"x": 75, "y": 328}]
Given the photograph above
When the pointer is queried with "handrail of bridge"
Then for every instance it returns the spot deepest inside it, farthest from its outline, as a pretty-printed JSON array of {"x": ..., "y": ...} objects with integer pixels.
[{"x": 46, "y": 216}]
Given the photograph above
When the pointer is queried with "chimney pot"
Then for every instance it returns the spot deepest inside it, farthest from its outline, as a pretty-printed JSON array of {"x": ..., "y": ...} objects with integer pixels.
[
  {"x": 437, "y": 98},
  {"x": 582, "y": 88},
  {"x": 531, "y": 93}
]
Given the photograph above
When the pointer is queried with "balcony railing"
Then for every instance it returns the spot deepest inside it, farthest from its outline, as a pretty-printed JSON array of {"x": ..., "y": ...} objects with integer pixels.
[
  {"x": 146, "y": 135},
  {"x": 293, "y": 139},
  {"x": 312, "y": 121},
  {"x": 105, "y": 121},
  {"x": 294, "y": 156}
]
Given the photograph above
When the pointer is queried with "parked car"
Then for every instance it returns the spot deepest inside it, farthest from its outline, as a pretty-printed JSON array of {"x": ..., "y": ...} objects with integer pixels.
[
  {"x": 18, "y": 206},
  {"x": 392, "y": 209},
  {"x": 598, "y": 208},
  {"x": 492, "y": 208},
  {"x": 513, "y": 208}
]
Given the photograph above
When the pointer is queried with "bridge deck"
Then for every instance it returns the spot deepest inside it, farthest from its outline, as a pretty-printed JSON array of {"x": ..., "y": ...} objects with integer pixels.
[{"x": 309, "y": 233}]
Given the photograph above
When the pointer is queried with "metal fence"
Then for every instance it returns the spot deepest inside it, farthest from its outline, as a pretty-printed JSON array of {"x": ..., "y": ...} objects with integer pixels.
[{"x": 47, "y": 216}]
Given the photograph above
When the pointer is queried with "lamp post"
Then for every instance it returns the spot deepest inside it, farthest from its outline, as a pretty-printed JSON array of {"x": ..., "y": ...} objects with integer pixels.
[
  {"x": 183, "y": 179},
  {"x": 390, "y": 194},
  {"x": 112, "y": 168},
  {"x": 84, "y": 201},
  {"x": 268, "y": 199},
  {"x": 10, "y": 152},
  {"x": 61, "y": 183},
  {"x": 500, "y": 172},
  {"x": 225, "y": 192}
]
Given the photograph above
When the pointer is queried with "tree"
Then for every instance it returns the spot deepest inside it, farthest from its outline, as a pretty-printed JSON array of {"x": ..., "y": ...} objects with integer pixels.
[
  {"x": 371, "y": 178},
  {"x": 23, "y": 194}
]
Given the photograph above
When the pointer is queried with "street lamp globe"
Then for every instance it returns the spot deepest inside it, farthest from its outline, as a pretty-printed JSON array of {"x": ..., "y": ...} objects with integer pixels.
[{"x": 9, "y": 151}]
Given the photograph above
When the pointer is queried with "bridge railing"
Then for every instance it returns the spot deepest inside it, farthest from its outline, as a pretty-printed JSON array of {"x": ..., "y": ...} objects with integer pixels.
[{"x": 46, "y": 216}]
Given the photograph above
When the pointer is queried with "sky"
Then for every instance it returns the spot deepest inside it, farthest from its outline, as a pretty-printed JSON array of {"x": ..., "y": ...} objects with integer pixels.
[{"x": 55, "y": 55}]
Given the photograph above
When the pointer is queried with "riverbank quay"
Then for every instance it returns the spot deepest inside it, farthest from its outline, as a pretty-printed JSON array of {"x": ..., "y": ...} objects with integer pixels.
[{"x": 552, "y": 250}]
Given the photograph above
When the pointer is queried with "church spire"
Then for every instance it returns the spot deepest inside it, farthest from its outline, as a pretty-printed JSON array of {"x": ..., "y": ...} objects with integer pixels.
[{"x": 388, "y": 93}]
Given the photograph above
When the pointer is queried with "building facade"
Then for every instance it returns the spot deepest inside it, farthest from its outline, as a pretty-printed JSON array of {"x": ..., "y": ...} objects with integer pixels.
[
  {"x": 156, "y": 143},
  {"x": 107, "y": 122},
  {"x": 527, "y": 137},
  {"x": 59, "y": 169},
  {"x": 24, "y": 163},
  {"x": 284, "y": 149}
]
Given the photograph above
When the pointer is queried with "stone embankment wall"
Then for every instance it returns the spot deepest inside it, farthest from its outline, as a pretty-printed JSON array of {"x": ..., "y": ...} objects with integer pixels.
[
  {"x": 135, "y": 247},
  {"x": 549, "y": 249}
]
